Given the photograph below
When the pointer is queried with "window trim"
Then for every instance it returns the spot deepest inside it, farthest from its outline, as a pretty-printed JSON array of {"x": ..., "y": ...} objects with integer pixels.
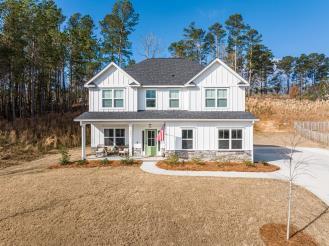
[
  {"x": 114, "y": 135},
  {"x": 193, "y": 138},
  {"x": 113, "y": 98},
  {"x": 230, "y": 138},
  {"x": 178, "y": 98},
  {"x": 216, "y": 97},
  {"x": 156, "y": 95}
]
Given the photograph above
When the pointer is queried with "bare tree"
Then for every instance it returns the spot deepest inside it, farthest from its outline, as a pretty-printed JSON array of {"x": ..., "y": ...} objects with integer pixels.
[
  {"x": 296, "y": 166},
  {"x": 150, "y": 46}
]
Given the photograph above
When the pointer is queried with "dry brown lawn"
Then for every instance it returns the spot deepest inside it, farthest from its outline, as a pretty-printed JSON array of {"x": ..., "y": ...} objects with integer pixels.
[{"x": 125, "y": 206}]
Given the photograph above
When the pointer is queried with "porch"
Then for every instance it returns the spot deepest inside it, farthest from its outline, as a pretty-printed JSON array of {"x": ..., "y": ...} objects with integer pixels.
[{"x": 116, "y": 140}]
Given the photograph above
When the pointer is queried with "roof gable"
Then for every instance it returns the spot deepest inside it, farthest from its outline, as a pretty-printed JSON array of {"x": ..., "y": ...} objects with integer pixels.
[
  {"x": 242, "y": 82},
  {"x": 91, "y": 82}
]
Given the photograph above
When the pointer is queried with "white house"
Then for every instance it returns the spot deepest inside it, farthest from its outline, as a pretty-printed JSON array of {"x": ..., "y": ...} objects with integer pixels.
[{"x": 201, "y": 109}]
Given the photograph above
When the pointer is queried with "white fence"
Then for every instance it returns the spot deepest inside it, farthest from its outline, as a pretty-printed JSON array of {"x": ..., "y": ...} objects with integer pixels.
[{"x": 316, "y": 131}]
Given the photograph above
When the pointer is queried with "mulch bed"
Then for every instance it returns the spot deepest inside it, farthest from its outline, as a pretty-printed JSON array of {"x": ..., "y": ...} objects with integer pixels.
[
  {"x": 95, "y": 163},
  {"x": 275, "y": 234},
  {"x": 218, "y": 166}
]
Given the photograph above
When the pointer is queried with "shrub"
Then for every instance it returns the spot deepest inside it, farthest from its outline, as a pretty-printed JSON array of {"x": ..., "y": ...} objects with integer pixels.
[
  {"x": 264, "y": 163},
  {"x": 82, "y": 162},
  {"x": 127, "y": 160},
  {"x": 105, "y": 161},
  {"x": 173, "y": 159},
  {"x": 65, "y": 157},
  {"x": 249, "y": 163},
  {"x": 198, "y": 161}
]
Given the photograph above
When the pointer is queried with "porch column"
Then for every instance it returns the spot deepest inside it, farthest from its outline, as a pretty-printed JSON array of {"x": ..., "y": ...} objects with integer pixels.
[
  {"x": 83, "y": 141},
  {"x": 130, "y": 135}
]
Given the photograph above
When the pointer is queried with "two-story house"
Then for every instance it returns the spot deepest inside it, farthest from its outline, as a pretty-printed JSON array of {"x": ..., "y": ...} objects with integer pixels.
[{"x": 200, "y": 109}]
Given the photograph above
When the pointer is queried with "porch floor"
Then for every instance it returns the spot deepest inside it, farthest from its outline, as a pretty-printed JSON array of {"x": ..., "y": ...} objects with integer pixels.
[{"x": 117, "y": 157}]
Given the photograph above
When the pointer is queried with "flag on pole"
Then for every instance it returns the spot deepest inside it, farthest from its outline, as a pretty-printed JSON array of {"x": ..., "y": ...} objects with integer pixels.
[{"x": 160, "y": 136}]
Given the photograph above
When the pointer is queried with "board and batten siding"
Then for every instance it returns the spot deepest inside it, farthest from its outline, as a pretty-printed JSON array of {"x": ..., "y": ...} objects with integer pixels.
[
  {"x": 205, "y": 134},
  {"x": 162, "y": 98},
  {"x": 217, "y": 76},
  {"x": 113, "y": 78}
]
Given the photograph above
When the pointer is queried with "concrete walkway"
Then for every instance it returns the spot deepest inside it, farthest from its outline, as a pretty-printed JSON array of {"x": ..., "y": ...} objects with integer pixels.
[{"x": 316, "y": 180}]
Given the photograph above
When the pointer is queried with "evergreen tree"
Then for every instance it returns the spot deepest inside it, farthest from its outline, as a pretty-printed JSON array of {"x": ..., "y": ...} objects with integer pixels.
[
  {"x": 178, "y": 49},
  {"x": 236, "y": 41},
  {"x": 287, "y": 65},
  {"x": 215, "y": 38},
  {"x": 252, "y": 38},
  {"x": 115, "y": 29}
]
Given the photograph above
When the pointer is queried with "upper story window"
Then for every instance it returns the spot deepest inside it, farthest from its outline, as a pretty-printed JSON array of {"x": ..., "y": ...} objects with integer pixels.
[
  {"x": 174, "y": 98},
  {"x": 216, "y": 98},
  {"x": 113, "y": 98},
  {"x": 150, "y": 98},
  {"x": 230, "y": 139}
]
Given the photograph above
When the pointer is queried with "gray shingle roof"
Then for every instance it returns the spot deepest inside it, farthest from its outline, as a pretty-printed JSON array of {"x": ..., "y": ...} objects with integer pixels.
[
  {"x": 166, "y": 114},
  {"x": 164, "y": 71}
]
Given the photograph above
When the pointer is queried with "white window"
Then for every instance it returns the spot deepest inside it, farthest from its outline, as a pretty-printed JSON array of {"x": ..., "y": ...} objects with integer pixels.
[
  {"x": 114, "y": 137},
  {"x": 187, "y": 139},
  {"x": 216, "y": 98},
  {"x": 113, "y": 98},
  {"x": 150, "y": 98},
  {"x": 174, "y": 98},
  {"x": 230, "y": 139}
]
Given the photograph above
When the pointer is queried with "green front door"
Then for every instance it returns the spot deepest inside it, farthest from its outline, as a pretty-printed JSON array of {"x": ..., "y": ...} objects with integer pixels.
[{"x": 150, "y": 142}]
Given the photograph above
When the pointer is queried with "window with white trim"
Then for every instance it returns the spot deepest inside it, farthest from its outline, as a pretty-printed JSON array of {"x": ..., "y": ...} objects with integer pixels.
[
  {"x": 114, "y": 137},
  {"x": 187, "y": 139},
  {"x": 216, "y": 98},
  {"x": 150, "y": 98},
  {"x": 230, "y": 139},
  {"x": 174, "y": 99},
  {"x": 113, "y": 98}
]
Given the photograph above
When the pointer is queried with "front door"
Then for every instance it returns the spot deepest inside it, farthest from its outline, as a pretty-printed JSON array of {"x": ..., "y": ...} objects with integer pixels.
[{"x": 150, "y": 142}]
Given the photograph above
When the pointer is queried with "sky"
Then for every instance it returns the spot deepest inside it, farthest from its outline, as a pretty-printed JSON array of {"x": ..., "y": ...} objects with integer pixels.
[{"x": 289, "y": 27}]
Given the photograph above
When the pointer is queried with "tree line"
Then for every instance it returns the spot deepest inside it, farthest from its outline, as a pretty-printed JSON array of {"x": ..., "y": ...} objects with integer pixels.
[
  {"x": 45, "y": 57},
  {"x": 242, "y": 48}
]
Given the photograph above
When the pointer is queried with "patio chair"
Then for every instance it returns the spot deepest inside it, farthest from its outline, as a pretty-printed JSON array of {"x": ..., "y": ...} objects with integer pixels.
[
  {"x": 101, "y": 150},
  {"x": 124, "y": 151}
]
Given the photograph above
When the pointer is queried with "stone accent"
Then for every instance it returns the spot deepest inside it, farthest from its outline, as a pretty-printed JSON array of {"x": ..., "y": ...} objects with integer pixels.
[{"x": 234, "y": 156}]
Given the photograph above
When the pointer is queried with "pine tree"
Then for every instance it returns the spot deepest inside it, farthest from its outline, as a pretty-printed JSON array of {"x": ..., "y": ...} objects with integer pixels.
[
  {"x": 236, "y": 40},
  {"x": 215, "y": 38},
  {"x": 115, "y": 29}
]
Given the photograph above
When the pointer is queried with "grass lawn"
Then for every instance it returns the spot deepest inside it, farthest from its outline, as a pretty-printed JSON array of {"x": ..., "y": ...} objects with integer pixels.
[{"x": 124, "y": 205}]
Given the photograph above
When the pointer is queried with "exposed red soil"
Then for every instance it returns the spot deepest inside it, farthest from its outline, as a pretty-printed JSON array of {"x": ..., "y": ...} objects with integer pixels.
[
  {"x": 95, "y": 163},
  {"x": 275, "y": 234},
  {"x": 218, "y": 166}
]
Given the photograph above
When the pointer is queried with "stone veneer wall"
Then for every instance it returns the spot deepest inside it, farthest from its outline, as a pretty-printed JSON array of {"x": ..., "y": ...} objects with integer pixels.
[{"x": 235, "y": 156}]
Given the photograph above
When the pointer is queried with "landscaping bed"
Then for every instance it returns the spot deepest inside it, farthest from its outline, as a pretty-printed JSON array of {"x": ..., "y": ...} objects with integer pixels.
[
  {"x": 97, "y": 163},
  {"x": 217, "y": 166},
  {"x": 275, "y": 234}
]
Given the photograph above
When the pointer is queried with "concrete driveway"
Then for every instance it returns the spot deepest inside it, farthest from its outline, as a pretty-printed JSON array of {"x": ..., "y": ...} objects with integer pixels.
[{"x": 316, "y": 177}]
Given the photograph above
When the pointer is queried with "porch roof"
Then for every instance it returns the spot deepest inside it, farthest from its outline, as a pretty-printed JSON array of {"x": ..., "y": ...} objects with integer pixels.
[{"x": 166, "y": 115}]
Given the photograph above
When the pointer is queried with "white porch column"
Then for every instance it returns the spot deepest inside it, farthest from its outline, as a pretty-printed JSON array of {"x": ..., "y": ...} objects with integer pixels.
[
  {"x": 83, "y": 141},
  {"x": 130, "y": 136}
]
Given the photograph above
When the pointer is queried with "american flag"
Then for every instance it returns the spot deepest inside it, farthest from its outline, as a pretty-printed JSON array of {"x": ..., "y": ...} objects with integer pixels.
[{"x": 160, "y": 136}]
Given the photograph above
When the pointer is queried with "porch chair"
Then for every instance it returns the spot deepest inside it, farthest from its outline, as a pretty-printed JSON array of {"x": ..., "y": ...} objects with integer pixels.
[
  {"x": 124, "y": 151},
  {"x": 101, "y": 150}
]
